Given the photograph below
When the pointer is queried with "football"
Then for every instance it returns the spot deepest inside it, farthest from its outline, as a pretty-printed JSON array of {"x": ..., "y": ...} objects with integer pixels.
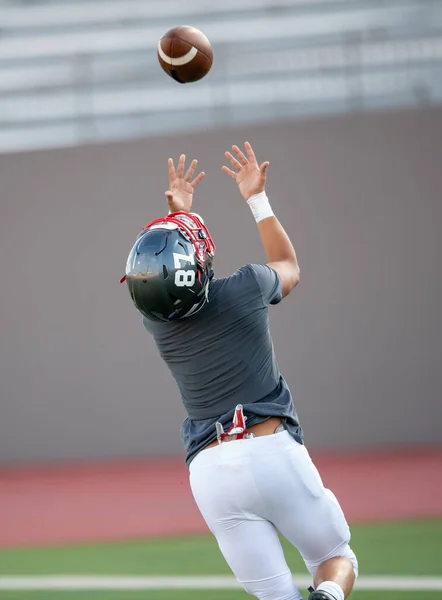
[{"x": 185, "y": 54}]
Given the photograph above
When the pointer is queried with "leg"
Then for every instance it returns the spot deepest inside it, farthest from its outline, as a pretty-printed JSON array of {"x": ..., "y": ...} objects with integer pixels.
[
  {"x": 253, "y": 551},
  {"x": 339, "y": 570},
  {"x": 227, "y": 499},
  {"x": 310, "y": 517}
]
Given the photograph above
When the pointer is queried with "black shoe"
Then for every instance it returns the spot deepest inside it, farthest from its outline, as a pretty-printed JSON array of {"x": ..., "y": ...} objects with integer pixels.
[{"x": 319, "y": 595}]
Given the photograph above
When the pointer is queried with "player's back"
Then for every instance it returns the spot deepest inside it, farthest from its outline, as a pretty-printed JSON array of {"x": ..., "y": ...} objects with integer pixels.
[{"x": 223, "y": 355}]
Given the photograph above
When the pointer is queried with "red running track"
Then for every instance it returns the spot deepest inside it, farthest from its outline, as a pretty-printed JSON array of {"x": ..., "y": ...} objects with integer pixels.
[{"x": 152, "y": 498}]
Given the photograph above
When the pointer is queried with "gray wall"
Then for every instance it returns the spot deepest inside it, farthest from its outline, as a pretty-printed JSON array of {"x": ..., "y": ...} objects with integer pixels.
[{"x": 359, "y": 341}]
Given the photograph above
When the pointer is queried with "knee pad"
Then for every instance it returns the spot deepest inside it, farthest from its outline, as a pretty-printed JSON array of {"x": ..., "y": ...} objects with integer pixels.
[{"x": 344, "y": 551}]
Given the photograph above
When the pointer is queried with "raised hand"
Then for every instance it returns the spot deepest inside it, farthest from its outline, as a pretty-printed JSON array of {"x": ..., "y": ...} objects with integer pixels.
[
  {"x": 181, "y": 187},
  {"x": 250, "y": 177}
]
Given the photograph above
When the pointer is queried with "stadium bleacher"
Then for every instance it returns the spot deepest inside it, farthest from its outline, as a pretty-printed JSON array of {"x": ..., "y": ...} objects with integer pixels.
[{"x": 78, "y": 72}]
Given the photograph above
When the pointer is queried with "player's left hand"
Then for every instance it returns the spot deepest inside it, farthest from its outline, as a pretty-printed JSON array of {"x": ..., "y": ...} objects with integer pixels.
[
  {"x": 250, "y": 177},
  {"x": 181, "y": 187}
]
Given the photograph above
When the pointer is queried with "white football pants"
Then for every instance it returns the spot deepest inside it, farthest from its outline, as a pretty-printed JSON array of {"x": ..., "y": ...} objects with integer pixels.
[{"x": 249, "y": 489}]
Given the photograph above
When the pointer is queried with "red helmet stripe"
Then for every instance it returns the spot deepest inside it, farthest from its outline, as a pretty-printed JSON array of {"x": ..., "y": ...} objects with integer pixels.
[
  {"x": 202, "y": 245},
  {"x": 192, "y": 232}
]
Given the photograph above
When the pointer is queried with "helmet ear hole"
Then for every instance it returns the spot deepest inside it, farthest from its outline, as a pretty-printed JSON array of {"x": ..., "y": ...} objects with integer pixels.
[{"x": 165, "y": 272}]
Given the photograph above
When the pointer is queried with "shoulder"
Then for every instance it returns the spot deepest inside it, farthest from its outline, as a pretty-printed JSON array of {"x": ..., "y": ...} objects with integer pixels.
[
  {"x": 248, "y": 275},
  {"x": 262, "y": 272},
  {"x": 258, "y": 280},
  {"x": 254, "y": 272}
]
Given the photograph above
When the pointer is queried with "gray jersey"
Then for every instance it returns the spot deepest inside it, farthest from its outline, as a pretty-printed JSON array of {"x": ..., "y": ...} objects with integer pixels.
[{"x": 223, "y": 356}]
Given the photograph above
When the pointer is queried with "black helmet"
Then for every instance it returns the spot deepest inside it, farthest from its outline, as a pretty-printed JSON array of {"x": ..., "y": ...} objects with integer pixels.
[{"x": 169, "y": 268}]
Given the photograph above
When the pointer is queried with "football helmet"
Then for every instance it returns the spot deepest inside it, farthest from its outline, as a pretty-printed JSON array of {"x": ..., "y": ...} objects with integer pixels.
[{"x": 169, "y": 268}]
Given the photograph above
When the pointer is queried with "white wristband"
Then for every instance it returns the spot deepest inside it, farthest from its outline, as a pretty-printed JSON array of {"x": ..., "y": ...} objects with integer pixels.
[{"x": 260, "y": 206}]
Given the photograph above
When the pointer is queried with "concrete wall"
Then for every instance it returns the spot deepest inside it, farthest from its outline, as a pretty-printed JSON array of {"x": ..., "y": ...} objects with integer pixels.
[{"x": 359, "y": 341}]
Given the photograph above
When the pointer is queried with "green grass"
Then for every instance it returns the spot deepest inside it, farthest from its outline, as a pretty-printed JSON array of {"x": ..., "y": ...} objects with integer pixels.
[
  {"x": 392, "y": 549},
  {"x": 203, "y": 595},
  {"x": 413, "y": 548}
]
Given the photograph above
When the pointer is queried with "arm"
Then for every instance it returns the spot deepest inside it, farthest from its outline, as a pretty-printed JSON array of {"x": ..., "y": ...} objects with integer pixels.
[
  {"x": 179, "y": 196},
  {"x": 280, "y": 253},
  {"x": 251, "y": 179}
]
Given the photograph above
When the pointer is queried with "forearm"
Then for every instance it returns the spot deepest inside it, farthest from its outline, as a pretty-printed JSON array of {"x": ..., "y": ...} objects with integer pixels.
[
  {"x": 281, "y": 255},
  {"x": 276, "y": 242}
]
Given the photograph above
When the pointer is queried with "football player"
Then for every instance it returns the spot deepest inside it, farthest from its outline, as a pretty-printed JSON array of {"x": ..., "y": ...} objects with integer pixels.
[{"x": 250, "y": 472}]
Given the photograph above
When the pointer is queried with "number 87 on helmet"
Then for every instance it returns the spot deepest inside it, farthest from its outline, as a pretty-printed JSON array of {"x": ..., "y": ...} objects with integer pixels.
[{"x": 169, "y": 268}]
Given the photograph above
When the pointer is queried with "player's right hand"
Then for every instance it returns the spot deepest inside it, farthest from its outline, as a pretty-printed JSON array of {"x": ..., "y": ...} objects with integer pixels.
[
  {"x": 179, "y": 196},
  {"x": 250, "y": 177}
]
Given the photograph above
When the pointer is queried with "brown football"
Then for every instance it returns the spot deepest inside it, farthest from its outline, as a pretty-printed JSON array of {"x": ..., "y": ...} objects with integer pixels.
[{"x": 185, "y": 54}]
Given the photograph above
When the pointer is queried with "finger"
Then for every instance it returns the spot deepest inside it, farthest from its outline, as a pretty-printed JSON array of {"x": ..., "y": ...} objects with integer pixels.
[
  {"x": 229, "y": 172},
  {"x": 250, "y": 154},
  {"x": 198, "y": 179},
  {"x": 171, "y": 169},
  {"x": 263, "y": 167},
  {"x": 240, "y": 156},
  {"x": 169, "y": 195},
  {"x": 232, "y": 160},
  {"x": 180, "y": 169},
  {"x": 191, "y": 170}
]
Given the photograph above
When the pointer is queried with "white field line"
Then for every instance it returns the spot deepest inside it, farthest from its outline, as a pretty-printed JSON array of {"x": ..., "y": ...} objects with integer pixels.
[{"x": 104, "y": 582}]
